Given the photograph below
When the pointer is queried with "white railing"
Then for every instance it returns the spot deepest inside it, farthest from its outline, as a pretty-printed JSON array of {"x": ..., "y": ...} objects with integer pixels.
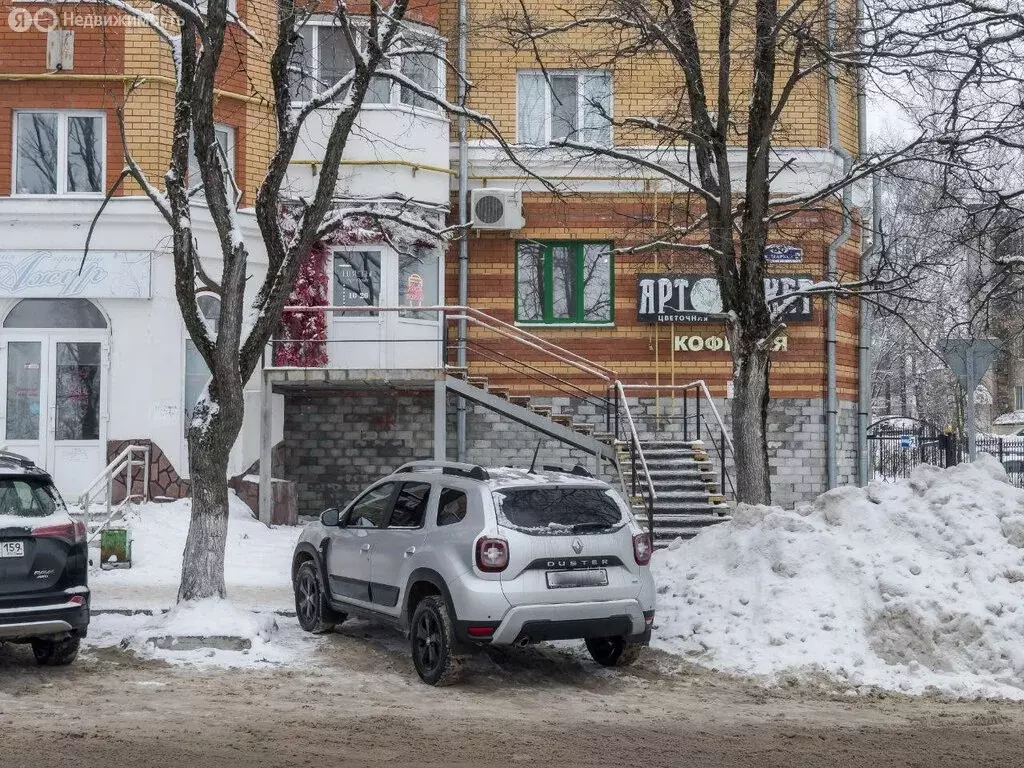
[{"x": 101, "y": 489}]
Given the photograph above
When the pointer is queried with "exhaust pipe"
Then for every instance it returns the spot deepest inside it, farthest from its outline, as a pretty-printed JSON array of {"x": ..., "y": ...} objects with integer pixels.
[{"x": 522, "y": 642}]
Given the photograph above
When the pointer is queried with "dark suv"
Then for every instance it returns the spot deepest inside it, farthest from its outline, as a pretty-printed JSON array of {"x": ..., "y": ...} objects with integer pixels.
[{"x": 44, "y": 599}]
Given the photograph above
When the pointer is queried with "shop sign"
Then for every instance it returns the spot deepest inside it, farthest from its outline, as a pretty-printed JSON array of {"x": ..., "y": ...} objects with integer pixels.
[
  {"x": 62, "y": 275},
  {"x": 668, "y": 298},
  {"x": 719, "y": 343}
]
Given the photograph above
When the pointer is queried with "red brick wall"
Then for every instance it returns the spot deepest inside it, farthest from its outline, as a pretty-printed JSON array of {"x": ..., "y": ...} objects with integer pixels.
[{"x": 642, "y": 352}]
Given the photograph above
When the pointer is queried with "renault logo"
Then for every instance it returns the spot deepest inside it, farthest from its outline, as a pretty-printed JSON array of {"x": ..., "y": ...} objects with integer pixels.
[{"x": 577, "y": 546}]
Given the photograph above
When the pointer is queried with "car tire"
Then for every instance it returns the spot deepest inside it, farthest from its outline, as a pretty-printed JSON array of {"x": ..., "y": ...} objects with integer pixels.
[
  {"x": 311, "y": 607},
  {"x": 56, "y": 653},
  {"x": 432, "y": 636},
  {"x": 614, "y": 651}
]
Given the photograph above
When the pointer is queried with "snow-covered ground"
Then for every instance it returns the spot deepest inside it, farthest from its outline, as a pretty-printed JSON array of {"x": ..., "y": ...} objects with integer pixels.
[
  {"x": 257, "y": 578},
  {"x": 256, "y": 569},
  {"x": 912, "y": 586}
]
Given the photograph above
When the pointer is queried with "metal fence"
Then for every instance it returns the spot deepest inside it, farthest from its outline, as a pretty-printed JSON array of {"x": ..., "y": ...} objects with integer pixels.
[{"x": 1008, "y": 450}]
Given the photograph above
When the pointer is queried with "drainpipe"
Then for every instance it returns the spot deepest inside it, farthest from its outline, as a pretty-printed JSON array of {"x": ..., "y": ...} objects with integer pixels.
[
  {"x": 866, "y": 310},
  {"x": 460, "y": 409},
  {"x": 831, "y": 264},
  {"x": 864, "y": 334}
]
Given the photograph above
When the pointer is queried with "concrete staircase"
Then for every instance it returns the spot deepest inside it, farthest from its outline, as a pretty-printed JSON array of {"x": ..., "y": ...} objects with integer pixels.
[{"x": 686, "y": 484}]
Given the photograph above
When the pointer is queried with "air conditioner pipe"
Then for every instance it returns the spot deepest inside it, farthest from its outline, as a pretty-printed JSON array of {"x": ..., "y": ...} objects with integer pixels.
[
  {"x": 831, "y": 263},
  {"x": 462, "y": 67}
]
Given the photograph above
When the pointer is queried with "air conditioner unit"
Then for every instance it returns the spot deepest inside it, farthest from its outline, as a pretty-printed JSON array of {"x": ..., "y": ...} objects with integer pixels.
[{"x": 496, "y": 208}]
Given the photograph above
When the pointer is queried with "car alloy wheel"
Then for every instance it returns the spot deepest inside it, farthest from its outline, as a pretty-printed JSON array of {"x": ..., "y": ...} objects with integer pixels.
[
  {"x": 433, "y": 642},
  {"x": 310, "y": 606}
]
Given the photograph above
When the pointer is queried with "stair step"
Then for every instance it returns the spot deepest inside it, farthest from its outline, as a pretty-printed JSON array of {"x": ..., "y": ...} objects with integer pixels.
[
  {"x": 477, "y": 381},
  {"x": 457, "y": 373},
  {"x": 583, "y": 429},
  {"x": 541, "y": 410},
  {"x": 565, "y": 419},
  {"x": 716, "y": 498},
  {"x": 502, "y": 392},
  {"x": 523, "y": 401},
  {"x": 669, "y": 521}
]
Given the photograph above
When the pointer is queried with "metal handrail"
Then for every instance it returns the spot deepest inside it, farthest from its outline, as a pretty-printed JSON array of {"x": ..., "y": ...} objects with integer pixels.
[
  {"x": 483, "y": 320},
  {"x": 698, "y": 384},
  {"x": 125, "y": 462},
  {"x": 635, "y": 445}
]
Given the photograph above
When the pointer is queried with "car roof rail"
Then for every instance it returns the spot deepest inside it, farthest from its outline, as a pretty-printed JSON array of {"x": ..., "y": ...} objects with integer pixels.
[
  {"x": 460, "y": 469},
  {"x": 17, "y": 458}
]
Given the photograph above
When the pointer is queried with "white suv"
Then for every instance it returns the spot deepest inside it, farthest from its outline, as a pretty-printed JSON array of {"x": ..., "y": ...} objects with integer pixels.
[{"x": 457, "y": 555}]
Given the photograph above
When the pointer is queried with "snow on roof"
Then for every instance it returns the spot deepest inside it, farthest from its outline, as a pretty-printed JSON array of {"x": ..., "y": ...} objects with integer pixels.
[{"x": 1014, "y": 417}]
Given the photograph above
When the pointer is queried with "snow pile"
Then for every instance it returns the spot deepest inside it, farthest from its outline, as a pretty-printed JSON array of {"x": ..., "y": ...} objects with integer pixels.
[
  {"x": 210, "y": 632},
  {"x": 915, "y": 586},
  {"x": 257, "y": 569}
]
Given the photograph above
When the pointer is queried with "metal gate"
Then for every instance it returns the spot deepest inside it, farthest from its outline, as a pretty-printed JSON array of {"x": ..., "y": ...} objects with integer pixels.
[{"x": 897, "y": 444}]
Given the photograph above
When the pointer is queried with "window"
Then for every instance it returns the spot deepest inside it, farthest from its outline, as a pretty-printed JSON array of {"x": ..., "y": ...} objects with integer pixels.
[
  {"x": 357, "y": 281},
  {"x": 371, "y": 508},
  {"x": 226, "y": 140},
  {"x": 29, "y": 497},
  {"x": 322, "y": 57},
  {"x": 418, "y": 277},
  {"x": 197, "y": 374},
  {"x": 410, "y": 506},
  {"x": 553, "y": 511},
  {"x": 1018, "y": 398},
  {"x": 55, "y": 313},
  {"x": 565, "y": 105},
  {"x": 58, "y": 153},
  {"x": 451, "y": 507},
  {"x": 569, "y": 282}
]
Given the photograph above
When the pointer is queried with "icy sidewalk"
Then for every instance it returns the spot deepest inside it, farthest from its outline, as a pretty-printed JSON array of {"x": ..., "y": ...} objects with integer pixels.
[
  {"x": 256, "y": 570},
  {"x": 914, "y": 586}
]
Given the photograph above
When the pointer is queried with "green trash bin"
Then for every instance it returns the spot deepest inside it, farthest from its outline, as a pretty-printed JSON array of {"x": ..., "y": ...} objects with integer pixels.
[{"x": 115, "y": 548}]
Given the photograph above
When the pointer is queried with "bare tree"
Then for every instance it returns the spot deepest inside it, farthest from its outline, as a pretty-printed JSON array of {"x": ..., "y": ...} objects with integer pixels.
[
  {"x": 377, "y": 40},
  {"x": 732, "y": 70}
]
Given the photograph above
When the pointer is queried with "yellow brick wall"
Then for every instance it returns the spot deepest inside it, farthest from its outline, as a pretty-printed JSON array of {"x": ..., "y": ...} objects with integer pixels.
[{"x": 642, "y": 86}]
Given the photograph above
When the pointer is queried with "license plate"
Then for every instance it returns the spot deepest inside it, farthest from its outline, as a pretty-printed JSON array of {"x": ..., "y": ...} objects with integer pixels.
[
  {"x": 12, "y": 549},
  {"x": 597, "y": 577}
]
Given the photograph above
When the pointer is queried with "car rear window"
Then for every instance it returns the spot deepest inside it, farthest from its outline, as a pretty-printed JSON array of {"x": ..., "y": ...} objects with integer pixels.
[
  {"x": 557, "y": 510},
  {"x": 27, "y": 497}
]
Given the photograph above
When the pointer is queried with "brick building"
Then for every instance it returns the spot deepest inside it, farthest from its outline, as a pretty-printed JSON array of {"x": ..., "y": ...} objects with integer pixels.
[{"x": 553, "y": 270}]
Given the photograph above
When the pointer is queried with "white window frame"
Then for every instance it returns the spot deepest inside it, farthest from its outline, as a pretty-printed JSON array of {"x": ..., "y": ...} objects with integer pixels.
[
  {"x": 62, "y": 151},
  {"x": 395, "y": 100},
  {"x": 1018, "y": 398},
  {"x": 580, "y": 100},
  {"x": 229, "y": 130},
  {"x": 186, "y": 410}
]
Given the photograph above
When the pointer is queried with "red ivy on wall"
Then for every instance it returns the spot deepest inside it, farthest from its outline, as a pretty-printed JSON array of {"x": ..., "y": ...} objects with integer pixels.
[{"x": 302, "y": 337}]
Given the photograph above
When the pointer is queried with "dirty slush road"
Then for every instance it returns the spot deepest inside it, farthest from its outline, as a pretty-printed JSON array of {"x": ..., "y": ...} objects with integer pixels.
[{"x": 359, "y": 703}]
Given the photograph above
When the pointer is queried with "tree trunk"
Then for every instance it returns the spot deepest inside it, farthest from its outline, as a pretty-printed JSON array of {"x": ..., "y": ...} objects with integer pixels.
[
  {"x": 209, "y": 447},
  {"x": 749, "y": 426}
]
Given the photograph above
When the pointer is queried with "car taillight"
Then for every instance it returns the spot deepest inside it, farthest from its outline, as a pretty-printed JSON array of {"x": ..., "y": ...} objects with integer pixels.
[
  {"x": 642, "y": 549},
  {"x": 74, "y": 532},
  {"x": 492, "y": 555}
]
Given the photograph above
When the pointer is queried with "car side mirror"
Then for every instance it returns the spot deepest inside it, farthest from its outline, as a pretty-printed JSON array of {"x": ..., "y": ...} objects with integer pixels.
[{"x": 330, "y": 518}]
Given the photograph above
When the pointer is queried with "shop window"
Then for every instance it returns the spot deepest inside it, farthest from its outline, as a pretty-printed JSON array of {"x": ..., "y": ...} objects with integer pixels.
[
  {"x": 197, "y": 373},
  {"x": 418, "y": 283},
  {"x": 560, "y": 105},
  {"x": 225, "y": 136},
  {"x": 1018, "y": 398},
  {"x": 55, "y": 313},
  {"x": 564, "y": 282},
  {"x": 322, "y": 56},
  {"x": 58, "y": 153}
]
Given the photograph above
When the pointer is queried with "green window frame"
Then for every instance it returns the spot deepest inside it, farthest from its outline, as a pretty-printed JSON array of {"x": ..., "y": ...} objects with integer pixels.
[{"x": 565, "y": 282}]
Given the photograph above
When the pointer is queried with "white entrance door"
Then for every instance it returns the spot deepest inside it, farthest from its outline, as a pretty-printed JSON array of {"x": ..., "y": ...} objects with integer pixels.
[
  {"x": 55, "y": 403},
  {"x": 367, "y": 276}
]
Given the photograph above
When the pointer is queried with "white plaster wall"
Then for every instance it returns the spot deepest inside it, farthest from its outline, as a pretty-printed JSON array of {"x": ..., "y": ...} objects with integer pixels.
[
  {"x": 382, "y": 136},
  {"x": 144, "y": 387}
]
